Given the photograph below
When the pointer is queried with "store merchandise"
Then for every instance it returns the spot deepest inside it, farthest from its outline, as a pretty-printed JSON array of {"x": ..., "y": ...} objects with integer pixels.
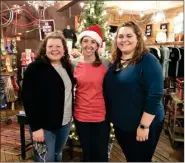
[
  {"x": 3, "y": 102},
  {"x": 8, "y": 64},
  {"x": 3, "y": 51},
  {"x": 9, "y": 46},
  {"x": 14, "y": 49}
]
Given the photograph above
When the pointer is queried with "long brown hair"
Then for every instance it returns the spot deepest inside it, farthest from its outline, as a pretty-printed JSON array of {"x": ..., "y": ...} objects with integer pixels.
[
  {"x": 140, "y": 48},
  {"x": 55, "y": 35},
  {"x": 97, "y": 61}
]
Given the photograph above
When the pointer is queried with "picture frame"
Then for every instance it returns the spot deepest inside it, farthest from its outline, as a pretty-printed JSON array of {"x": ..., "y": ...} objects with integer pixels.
[
  {"x": 148, "y": 31},
  {"x": 46, "y": 26}
]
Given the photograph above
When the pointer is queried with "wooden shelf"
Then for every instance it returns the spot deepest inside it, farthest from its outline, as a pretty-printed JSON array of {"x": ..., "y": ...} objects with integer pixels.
[
  {"x": 14, "y": 73},
  {"x": 167, "y": 43},
  {"x": 177, "y": 138},
  {"x": 180, "y": 116}
]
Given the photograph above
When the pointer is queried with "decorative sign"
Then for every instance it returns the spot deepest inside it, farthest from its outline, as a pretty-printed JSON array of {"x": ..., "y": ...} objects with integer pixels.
[
  {"x": 148, "y": 31},
  {"x": 46, "y": 26}
]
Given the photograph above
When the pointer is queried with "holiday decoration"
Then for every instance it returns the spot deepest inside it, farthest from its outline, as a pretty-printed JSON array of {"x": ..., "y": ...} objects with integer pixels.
[
  {"x": 94, "y": 32},
  {"x": 94, "y": 13}
]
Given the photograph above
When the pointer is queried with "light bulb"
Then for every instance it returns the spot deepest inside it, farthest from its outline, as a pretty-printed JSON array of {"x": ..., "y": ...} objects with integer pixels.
[
  {"x": 81, "y": 4},
  {"x": 120, "y": 12},
  {"x": 141, "y": 14}
]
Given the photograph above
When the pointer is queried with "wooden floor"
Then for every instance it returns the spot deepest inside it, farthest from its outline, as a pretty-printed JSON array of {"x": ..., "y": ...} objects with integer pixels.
[{"x": 164, "y": 153}]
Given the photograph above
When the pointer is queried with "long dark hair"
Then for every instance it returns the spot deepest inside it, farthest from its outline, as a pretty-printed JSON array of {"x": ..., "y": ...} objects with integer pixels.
[
  {"x": 55, "y": 35},
  {"x": 97, "y": 61},
  {"x": 140, "y": 48}
]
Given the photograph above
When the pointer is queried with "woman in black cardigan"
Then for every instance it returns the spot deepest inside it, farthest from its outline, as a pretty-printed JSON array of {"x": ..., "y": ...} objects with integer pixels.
[{"x": 47, "y": 94}]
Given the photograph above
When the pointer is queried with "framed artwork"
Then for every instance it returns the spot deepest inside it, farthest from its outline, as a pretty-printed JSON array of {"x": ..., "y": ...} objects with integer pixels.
[
  {"x": 148, "y": 31},
  {"x": 46, "y": 26}
]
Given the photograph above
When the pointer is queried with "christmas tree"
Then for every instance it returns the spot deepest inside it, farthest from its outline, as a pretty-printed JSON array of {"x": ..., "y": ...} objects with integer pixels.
[{"x": 94, "y": 13}]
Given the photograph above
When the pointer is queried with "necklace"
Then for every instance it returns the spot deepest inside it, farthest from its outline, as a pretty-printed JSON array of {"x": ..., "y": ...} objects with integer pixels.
[
  {"x": 125, "y": 62},
  {"x": 122, "y": 64},
  {"x": 126, "y": 59}
]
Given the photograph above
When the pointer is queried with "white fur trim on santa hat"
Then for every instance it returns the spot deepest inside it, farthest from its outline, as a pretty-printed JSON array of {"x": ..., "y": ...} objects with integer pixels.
[{"x": 91, "y": 34}]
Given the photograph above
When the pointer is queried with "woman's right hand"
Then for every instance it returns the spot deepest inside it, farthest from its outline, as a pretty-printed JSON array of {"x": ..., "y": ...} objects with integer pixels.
[
  {"x": 76, "y": 54},
  {"x": 38, "y": 135}
]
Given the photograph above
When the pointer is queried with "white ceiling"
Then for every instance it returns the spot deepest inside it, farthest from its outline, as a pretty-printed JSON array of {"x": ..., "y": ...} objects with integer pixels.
[{"x": 147, "y": 6}]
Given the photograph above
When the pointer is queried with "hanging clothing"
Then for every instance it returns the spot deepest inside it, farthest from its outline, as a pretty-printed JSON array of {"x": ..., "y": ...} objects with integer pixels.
[
  {"x": 156, "y": 52},
  {"x": 181, "y": 64},
  {"x": 70, "y": 34},
  {"x": 165, "y": 54},
  {"x": 174, "y": 61}
]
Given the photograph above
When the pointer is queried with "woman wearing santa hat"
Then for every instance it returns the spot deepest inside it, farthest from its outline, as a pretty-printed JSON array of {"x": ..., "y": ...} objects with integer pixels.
[{"x": 89, "y": 111}]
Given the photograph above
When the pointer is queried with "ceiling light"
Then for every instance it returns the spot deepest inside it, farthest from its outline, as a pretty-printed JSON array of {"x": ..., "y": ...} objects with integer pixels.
[
  {"x": 41, "y": 4},
  {"x": 81, "y": 4},
  {"x": 158, "y": 17},
  {"x": 120, "y": 12},
  {"x": 141, "y": 14}
]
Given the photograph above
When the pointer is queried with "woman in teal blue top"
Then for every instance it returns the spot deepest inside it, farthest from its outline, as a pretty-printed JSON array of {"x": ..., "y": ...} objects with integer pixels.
[{"x": 133, "y": 90}]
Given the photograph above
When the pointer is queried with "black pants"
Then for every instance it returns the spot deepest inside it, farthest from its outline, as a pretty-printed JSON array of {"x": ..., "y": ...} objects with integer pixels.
[
  {"x": 94, "y": 139},
  {"x": 134, "y": 150}
]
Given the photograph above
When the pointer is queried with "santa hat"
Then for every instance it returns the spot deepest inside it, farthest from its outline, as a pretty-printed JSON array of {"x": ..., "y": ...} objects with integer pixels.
[{"x": 94, "y": 32}]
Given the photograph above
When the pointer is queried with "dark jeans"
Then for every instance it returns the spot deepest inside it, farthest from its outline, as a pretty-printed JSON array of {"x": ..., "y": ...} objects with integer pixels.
[
  {"x": 55, "y": 141},
  {"x": 134, "y": 150},
  {"x": 94, "y": 137}
]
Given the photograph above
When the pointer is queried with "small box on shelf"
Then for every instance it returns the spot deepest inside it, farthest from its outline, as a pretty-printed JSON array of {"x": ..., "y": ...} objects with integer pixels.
[{"x": 180, "y": 88}]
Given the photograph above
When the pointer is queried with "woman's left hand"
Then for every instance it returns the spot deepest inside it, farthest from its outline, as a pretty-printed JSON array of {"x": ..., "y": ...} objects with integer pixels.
[{"x": 142, "y": 134}]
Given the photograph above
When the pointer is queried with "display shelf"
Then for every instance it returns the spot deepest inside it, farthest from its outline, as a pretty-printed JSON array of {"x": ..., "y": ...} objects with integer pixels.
[
  {"x": 180, "y": 116},
  {"x": 14, "y": 73},
  {"x": 175, "y": 98},
  {"x": 176, "y": 133},
  {"x": 166, "y": 43},
  {"x": 177, "y": 138}
]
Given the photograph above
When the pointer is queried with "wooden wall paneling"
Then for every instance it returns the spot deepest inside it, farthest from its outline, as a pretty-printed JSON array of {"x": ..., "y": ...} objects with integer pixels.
[{"x": 115, "y": 19}]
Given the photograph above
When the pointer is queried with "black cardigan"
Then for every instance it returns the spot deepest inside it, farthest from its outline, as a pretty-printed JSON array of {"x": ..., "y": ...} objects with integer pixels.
[{"x": 43, "y": 94}]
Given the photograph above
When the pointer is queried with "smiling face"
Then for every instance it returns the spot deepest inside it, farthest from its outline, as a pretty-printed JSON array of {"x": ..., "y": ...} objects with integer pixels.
[
  {"x": 89, "y": 46},
  {"x": 126, "y": 40},
  {"x": 54, "y": 49}
]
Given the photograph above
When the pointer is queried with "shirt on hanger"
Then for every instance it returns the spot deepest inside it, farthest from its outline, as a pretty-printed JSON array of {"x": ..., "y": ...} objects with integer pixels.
[
  {"x": 181, "y": 64},
  {"x": 165, "y": 54},
  {"x": 156, "y": 52},
  {"x": 174, "y": 59}
]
